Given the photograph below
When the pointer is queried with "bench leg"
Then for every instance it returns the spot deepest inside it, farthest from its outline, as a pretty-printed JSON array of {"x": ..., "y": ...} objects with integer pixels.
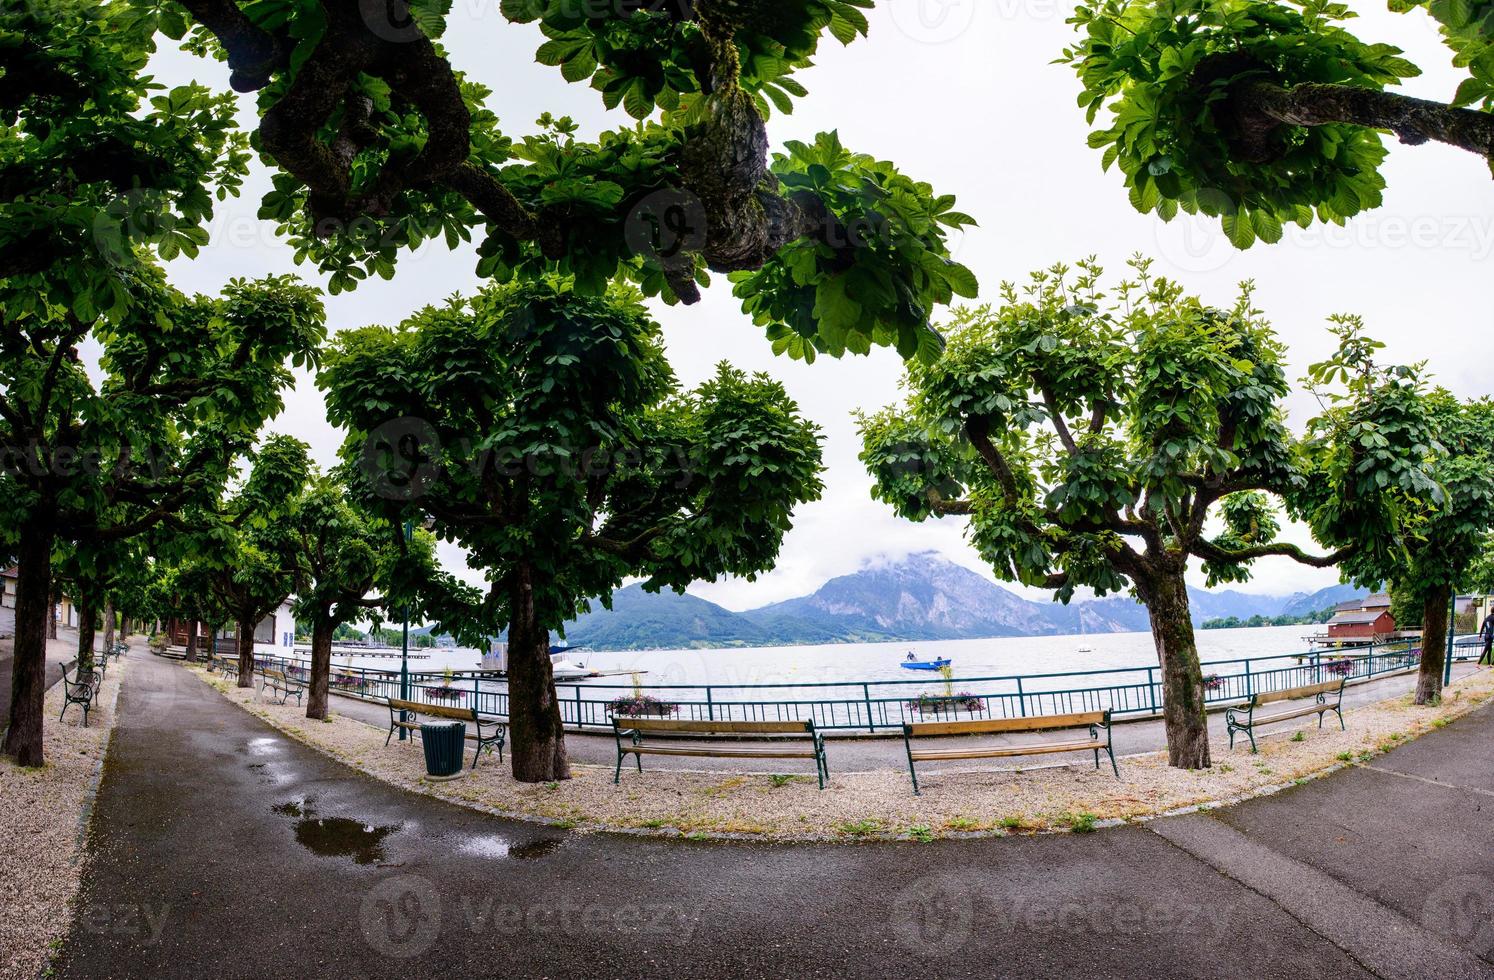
[
  {"x": 1341, "y": 726},
  {"x": 390, "y": 735},
  {"x": 914, "y": 773},
  {"x": 1097, "y": 758},
  {"x": 617, "y": 773},
  {"x": 1110, "y": 751},
  {"x": 1254, "y": 750}
]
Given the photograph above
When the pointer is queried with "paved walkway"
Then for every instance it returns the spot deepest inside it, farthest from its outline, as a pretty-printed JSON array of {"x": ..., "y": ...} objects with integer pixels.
[
  {"x": 861, "y": 754},
  {"x": 221, "y": 848}
]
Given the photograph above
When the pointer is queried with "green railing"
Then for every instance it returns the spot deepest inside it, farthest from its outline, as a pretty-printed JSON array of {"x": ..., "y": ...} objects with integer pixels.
[{"x": 872, "y": 706}]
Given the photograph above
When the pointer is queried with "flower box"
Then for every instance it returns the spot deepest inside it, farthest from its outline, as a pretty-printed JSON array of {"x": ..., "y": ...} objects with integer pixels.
[
  {"x": 642, "y": 705},
  {"x": 933, "y": 704}
]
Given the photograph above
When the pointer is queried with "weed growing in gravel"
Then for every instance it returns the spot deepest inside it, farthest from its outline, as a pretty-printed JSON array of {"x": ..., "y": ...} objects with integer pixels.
[
  {"x": 1345, "y": 757},
  {"x": 779, "y": 779},
  {"x": 1080, "y": 823},
  {"x": 1299, "y": 737},
  {"x": 961, "y": 824},
  {"x": 921, "y": 833},
  {"x": 859, "y": 828},
  {"x": 1441, "y": 722}
]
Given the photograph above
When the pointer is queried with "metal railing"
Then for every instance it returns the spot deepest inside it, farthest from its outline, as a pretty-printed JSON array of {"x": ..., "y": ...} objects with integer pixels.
[{"x": 872, "y": 706}]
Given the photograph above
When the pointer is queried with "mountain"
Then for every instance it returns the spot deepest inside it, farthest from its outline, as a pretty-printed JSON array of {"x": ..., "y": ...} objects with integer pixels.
[
  {"x": 1305, "y": 603},
  {"x": 922, "y": 597},
  {"x": 641, "y": 620}
]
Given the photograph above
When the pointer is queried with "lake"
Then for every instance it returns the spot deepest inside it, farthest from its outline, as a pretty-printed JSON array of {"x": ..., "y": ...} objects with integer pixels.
[{"x": 796, "y": 665}]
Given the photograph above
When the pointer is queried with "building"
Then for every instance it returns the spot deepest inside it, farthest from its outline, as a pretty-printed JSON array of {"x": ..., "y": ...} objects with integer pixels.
[
  {"x": 8, "y": 602},
  {"x": 274, "y": 636},
  {"x": 1364, "y": 620}
]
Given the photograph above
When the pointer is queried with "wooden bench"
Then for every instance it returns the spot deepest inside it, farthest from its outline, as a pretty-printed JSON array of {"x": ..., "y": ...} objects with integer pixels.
[
  {"x": 276, "y": 682},
  {"x": 636, "y": 728},
  {"x": 227, "y": 666},
  {"x": 80, "y": 690},
  {"x": 490, "y": 734},
  {"x": 1095, "y": 721},
  {"x": 1327, "y": 696}
]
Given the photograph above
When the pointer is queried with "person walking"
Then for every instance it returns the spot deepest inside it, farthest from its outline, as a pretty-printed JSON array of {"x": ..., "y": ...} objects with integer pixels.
[{"x": 1486, "y": 631}]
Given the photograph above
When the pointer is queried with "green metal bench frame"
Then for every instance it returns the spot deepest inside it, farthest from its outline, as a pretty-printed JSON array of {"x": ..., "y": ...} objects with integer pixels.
[
  {"x": 635, "y": 728},
  {"x": 406, "y": 715},
  {"x": 279, "y": 682},
  {"x": 1241, "y": 718},
  {"x": 80, "y": 691}
]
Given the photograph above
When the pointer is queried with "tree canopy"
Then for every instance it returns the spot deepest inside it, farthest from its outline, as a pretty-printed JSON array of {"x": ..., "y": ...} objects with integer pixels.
[
  {"x": 1263, "y": 114},
  {"x": 380, "y": 144},
  {"x": 545, "y": 432},
  {"x": 1089, "y": 437}
]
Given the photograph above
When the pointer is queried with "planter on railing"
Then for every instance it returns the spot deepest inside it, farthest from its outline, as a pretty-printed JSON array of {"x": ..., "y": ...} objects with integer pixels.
[
  {"x": 1213, "y": 682},
  {"x": 642, "y": 706},
  {"x": 448, "y": 695},
  {"x": 936, "y": 704}
]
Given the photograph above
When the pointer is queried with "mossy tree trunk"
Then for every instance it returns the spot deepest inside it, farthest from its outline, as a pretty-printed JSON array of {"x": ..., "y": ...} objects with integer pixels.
[
  {"x": 1434, "y": 627},
  {"x": 537, "y": 734},
  {"x": 1165, "y": 595},
  {"x": 23, "y": 738},
  {"x": 321, "y": 667}
]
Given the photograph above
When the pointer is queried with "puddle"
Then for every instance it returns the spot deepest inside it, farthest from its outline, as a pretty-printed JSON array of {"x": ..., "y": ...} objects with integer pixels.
[
  {"x": 264, "y": 746},
  {"x": 343, "y": 837},
  {"x": 494, "y": 846}
]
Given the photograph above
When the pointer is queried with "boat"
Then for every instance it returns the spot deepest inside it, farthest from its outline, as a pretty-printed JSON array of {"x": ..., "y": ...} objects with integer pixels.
[
  {"x": 563, "y": 670},
  {"x": 939, "y": 664},
  {"x": 1084, "y": 648}
]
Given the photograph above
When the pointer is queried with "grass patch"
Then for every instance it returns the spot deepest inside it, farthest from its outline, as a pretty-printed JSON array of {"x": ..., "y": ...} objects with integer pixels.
[
  {"x": 921, "y": 833},
  {"x": 1441, "y": 722},
  {"x": 1345, "y": 757},
  {"x": 1080, "y": 823},
  {"x": 781, "y": 779},
  {"x": 652, "y": 824},
  {"x": 859, "y": 828},
  {"x": 1299, "y": 737},
  {"x": 961, "y": 824}
]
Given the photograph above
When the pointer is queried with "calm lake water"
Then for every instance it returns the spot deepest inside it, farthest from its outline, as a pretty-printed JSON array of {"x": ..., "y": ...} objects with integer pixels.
[{"x": 847, "y": 662}]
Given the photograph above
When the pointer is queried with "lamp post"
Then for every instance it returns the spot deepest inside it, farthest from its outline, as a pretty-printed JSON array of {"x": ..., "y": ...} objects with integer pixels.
[
  {"x": 1452, "y": 627},
  {"x": 404, "y": 649}
]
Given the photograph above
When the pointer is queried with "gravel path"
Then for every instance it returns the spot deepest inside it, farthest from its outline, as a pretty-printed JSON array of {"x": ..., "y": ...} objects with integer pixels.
[
  {"x": 223, "y": 848},
  {"x": 41, "y": 828}
]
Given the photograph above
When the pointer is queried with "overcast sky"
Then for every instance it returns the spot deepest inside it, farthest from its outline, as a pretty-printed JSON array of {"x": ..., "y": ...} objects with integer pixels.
[{"x": 961, "y": 93}]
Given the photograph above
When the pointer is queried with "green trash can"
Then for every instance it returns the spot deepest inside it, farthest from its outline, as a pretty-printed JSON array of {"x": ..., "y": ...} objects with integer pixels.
[{"x": 444, "y": 744}]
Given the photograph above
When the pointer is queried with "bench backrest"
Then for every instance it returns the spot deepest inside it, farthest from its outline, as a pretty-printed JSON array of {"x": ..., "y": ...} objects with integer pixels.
[
  {"x": 274, "y": 675},
  {"x": 993, "y": 726},
  {"x": 712, "y": 727},
  {"x": 1306, "y": 691},
  {"x": 433, "y": 710}
]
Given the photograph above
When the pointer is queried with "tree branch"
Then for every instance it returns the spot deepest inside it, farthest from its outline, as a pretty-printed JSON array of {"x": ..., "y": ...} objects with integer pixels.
[
  {"x": 1260, "y": 107},
  {"x": 1209, "y": 551}
]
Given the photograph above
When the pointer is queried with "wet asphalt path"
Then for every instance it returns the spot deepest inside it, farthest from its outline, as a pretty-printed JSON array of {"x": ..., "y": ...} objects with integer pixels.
[{"x": 220, "y": 848}]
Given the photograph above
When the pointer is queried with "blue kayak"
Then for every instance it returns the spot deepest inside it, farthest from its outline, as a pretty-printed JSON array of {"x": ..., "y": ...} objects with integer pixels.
[{"x": 926, "y": 664}]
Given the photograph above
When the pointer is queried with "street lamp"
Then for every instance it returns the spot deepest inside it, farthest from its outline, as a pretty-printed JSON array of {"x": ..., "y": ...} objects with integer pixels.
[{"x": 404, "y": 647}]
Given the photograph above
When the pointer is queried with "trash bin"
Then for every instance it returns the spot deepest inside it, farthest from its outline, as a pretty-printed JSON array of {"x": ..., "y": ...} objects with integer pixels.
[{"x": 444, "y": 744}]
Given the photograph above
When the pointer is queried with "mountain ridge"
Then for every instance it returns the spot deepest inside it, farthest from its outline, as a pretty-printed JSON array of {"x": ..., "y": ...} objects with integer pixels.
[{"x": 921, "y": 597}]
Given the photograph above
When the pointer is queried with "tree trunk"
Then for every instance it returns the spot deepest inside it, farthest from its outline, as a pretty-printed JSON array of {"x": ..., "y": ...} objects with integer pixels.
[
  {"x": 23, "y": 740},
  {"x": 537, "y": 737},
  {"x": 1433, "y": 645},
  {"x": 212, "y": 649},
  {"x": 109, "y": 639},
  {"x": 321, "y": 667},
  {"x": 192, "y": 628},
  {"x": 246, "y": 652},
  {"x": 1183, "y": 715},
  {"x": 52, "y": 602},
  {"x": 86, "y": 634}
]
